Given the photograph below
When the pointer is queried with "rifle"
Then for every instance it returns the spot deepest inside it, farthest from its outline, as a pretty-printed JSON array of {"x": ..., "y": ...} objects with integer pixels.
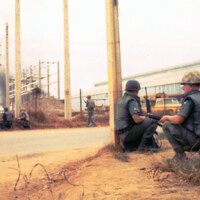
[{"x": 148, "y": 106}]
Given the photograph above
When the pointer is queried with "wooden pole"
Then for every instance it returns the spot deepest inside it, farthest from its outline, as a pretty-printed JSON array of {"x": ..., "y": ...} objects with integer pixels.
[
  {"x": 58, "y": 65},
  {"x": 114, "y": 63},
  {"x": 80, "y": 101},
  {"x": 67, "y": 86},
  {"x": 31, "y": 81},
  {"x": 7, "y": 69},
  {"x": 48, "y": 81},
  {"x": 17, "y": 59},
  {"x": 39, "y": 74}
]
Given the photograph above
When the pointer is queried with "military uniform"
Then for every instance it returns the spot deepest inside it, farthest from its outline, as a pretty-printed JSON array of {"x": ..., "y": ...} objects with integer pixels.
[
  {"x": 184, "y": 133},
  {"x": 23, "y": 121},
  {"x": 7, "y": 119},
  {"x": 90, "y": 108},
  {"x": 184, "y": 136},
  {"x": 131, "y": 133}
]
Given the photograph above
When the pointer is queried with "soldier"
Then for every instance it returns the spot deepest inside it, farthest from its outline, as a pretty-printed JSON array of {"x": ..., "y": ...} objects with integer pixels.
[
  {"x": 134, "y": 129},
  {"x": 7, "y": 119},
  {"x": 90, "y": 108},
  {"x": 183, "y": 129},
  {"x": 23, "y": 119}
]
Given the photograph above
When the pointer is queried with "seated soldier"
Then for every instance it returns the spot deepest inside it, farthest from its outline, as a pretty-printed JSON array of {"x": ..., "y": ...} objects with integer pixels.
[
  {"x": 7, "y": 119},
  {"x": 23, "y": 119},
  {"x": 134, "y": 129}
]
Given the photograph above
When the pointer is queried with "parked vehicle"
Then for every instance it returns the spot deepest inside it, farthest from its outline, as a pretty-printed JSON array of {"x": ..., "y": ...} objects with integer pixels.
[{"x": 160, "y": 104}]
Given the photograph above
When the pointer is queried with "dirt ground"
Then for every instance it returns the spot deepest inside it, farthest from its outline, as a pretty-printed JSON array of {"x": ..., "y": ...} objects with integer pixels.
[
  {"x": 91, "y": 174},
  {"x": 87, "y": 174}
]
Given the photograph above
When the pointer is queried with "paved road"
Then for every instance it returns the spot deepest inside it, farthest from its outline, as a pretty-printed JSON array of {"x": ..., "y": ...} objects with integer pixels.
[{"x": 37, "y": 141}]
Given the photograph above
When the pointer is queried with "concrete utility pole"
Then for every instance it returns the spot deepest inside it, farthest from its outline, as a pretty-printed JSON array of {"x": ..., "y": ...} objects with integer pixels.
[
  {"x": 7, "y": 69},
  {"x": 58, "y": 71},
  {"x": 114, "y": 63},
  {"x": 17, "y": 59},
  {"x": 67, "y": 86}
]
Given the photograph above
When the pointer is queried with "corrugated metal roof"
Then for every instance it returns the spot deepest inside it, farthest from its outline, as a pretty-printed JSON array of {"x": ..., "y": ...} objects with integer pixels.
[{"x": 172, "y": 74}]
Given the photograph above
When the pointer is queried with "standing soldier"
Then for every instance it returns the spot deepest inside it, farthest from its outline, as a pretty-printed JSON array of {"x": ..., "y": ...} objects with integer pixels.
[
  {"x": 90, "y": 108},
  {"x": 183, "y": 129}
]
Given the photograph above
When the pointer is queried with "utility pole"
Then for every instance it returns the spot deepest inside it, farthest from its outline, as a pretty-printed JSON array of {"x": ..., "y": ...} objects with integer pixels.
[
  {"x": 7, "y": 69},
  {"x": 48, "y": 81},
  {"x": 80, "y": 101},
  {"x": 31, "y": 81},
  {"x": 114, "y": 63},
  {"x": 58, "y": 72},
  {"x": 67, "y": 86},
  {"x": 39, "y": 74},
  {"x": 17, "y": 59}
]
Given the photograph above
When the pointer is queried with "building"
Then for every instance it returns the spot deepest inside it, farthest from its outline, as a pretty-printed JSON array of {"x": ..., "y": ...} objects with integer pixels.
[{"x": 165, "y": 80}]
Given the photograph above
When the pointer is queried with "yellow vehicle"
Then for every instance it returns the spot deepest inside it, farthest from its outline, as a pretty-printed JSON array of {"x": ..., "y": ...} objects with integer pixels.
[{"x": 166, "y": 105}]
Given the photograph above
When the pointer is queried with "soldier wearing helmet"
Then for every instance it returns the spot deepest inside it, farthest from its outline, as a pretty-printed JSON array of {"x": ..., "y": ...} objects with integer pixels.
[
  {"x": 23, "y": 120},
  {"x": 90, "y": 108},
  {"x": 183, "y": 129},
  {"x": 134, "y": 129},
  {"x": 7, "y": 119}
]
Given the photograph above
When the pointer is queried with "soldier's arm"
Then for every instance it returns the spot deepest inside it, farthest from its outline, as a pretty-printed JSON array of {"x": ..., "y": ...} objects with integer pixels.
[
  {"x": 138, "y": 119},
  {"x": 176, "y": 119}
]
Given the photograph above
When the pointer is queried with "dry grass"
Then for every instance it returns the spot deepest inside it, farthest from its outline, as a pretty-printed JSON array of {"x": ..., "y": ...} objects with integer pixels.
[
  {"x": 43, "y": 120},
  {"x": 188, "y": 170}
]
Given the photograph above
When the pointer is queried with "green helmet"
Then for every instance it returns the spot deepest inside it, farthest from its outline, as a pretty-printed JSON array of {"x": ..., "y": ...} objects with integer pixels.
[
  {"x": 132, "y": 85},
  {"x": 88, "y": 97},
  {"x": 192, "y": 78}
]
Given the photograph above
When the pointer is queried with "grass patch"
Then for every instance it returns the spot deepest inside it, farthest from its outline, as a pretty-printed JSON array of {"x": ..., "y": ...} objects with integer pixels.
[
  {"x": 188, "y": 170},
  {"x": 117, "y": 154}
]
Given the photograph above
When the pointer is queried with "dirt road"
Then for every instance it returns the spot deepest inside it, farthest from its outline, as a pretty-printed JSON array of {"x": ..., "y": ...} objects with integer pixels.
[{"x": 84, "y": 174}]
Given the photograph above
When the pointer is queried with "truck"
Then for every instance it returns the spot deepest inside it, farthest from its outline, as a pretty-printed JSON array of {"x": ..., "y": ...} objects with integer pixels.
[{"x": 162, "y": 104}]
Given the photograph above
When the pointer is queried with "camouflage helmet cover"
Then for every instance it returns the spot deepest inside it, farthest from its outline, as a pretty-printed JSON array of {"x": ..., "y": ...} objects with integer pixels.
[{"x": 192, "y": 77}]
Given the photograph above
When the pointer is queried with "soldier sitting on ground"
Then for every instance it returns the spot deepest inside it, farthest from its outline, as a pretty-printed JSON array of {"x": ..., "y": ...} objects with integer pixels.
[
  {"x": 183, "y": 129},
  {"x": 134, "y": 129},
  {"x": 23, "y": 119},
  {"x": 7, "y": 119}
]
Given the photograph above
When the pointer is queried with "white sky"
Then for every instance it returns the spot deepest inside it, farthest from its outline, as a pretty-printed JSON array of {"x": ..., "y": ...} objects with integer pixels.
[{"x": 154, "y": 34}]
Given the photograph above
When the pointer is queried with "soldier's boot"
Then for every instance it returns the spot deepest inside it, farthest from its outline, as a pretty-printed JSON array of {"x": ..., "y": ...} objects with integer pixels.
[
  {"x": 179, "y": 156},
  {"x": 144, "y": 145},
  {"x": 127, "y": 147}
]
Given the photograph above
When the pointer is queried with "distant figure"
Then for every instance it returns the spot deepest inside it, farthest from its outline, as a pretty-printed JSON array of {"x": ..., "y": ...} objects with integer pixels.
[
  {"x": 7, "y": 119},
  {"x": 23, "y": 119},
  {"x": 183, "y": 129},
  {"x": 90, "y": 108}
]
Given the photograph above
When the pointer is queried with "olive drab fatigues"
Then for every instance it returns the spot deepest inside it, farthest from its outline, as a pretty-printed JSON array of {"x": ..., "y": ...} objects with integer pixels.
[
  {"x": 129, "y": 131},
  {"x": 183, "y": 137},
  {"x": 90, "y": 108},
  {"x": 7, "y": 120},
  {"x": 23, "y": 122}
]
